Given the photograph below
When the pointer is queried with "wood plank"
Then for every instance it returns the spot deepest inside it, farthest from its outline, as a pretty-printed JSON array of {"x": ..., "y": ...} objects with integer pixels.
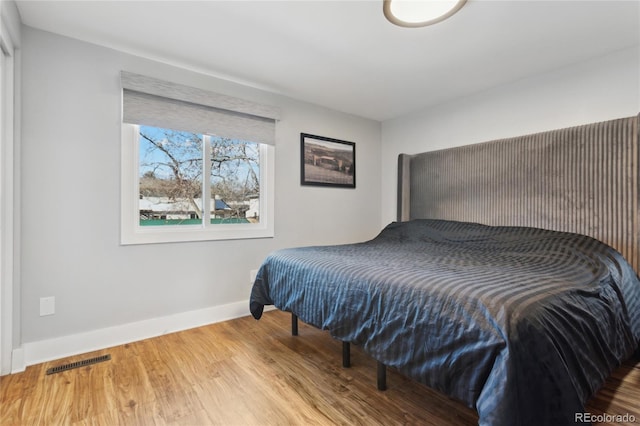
[{"x": 247, "y": 372}]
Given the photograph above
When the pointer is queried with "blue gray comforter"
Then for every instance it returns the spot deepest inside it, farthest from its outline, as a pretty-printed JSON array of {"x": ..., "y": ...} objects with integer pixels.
[{"x": 522, "y": 324}]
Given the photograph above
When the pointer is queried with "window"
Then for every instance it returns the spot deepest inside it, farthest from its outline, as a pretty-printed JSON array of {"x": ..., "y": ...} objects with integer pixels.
[{"x": 208, "y": 176}]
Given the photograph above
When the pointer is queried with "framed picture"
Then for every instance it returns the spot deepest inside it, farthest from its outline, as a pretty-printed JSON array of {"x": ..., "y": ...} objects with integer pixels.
[{"x": 327, "y": 162}]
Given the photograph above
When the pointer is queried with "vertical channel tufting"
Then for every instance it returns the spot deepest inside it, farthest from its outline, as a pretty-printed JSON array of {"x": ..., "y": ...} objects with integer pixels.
[{"x": 581, "y": 179}]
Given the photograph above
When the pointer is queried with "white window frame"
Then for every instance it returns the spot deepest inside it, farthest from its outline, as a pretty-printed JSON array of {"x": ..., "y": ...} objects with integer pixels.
[{"x": 132, "y": 233}]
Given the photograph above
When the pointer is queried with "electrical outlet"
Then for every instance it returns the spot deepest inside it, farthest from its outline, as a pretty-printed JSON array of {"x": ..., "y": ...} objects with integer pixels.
[
  {"x": 47, "y": 306},
  {"x": 252, "y": 275}
]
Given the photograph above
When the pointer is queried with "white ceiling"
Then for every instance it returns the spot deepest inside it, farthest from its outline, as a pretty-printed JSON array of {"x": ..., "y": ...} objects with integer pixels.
[{"x": 344, "y": 54}]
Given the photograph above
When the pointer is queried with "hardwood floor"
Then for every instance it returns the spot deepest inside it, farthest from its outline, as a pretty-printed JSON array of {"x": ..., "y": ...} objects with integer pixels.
[{"x": 246, "y": 372}]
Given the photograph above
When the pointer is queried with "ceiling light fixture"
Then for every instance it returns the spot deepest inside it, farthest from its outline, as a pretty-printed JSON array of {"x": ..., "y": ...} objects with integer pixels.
[{"x": 420, "y": 13}]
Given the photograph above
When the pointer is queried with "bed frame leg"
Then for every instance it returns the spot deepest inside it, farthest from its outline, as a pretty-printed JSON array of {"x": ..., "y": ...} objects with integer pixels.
[
  {"x": 382, "y": 376},
  {"x": 294, "y": 324},
  {"x": 346, "y": 354}
]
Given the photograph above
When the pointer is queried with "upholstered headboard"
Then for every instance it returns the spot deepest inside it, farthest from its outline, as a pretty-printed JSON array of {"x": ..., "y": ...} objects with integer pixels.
[{"x": 582, "y": 179}]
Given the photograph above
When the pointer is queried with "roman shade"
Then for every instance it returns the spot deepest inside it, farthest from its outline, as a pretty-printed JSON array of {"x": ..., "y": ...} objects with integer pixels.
[{"x": 154, "y": 102}]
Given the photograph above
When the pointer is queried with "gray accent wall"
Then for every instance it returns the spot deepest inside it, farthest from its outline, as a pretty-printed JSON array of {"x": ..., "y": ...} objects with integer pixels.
[{"x": 70, "y": 171}]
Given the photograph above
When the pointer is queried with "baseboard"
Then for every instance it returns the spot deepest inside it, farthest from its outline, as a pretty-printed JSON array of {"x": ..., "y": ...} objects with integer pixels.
[{"x": 60, "y": 347}]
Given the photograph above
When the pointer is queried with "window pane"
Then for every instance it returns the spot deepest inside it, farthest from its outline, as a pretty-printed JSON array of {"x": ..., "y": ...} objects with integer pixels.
[
  {"x": 170, "y": 177},
  {"x": 235, "y": 181}
]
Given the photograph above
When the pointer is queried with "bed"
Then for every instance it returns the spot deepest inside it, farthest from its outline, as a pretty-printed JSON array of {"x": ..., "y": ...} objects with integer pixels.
[{"x": 519, "y": 322}]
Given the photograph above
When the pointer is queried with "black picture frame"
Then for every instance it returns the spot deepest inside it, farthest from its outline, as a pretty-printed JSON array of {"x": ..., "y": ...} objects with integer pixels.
[{"x": 327, "y": 162}]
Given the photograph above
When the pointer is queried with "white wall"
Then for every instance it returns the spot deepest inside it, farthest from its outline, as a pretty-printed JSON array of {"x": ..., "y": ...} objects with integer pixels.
[
  {"x": 597, "y": 90},
  {"x": 71, "y": 202}
]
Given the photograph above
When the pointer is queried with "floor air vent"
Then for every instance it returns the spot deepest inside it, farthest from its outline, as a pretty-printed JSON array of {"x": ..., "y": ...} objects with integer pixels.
[{"x": 78, "y": 364}]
